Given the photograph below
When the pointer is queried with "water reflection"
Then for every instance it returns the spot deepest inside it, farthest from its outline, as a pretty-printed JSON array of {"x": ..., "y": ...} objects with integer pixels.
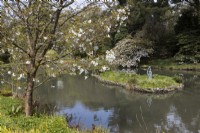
[{"x": 89, "y": 102}]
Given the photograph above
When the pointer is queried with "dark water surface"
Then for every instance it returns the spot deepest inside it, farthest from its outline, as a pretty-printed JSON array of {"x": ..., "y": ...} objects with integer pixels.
[{"x": 88, "y": 102}]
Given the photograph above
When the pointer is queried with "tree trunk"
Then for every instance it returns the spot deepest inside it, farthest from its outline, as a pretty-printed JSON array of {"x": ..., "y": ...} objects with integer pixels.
[{"x": 29, "y": 96}]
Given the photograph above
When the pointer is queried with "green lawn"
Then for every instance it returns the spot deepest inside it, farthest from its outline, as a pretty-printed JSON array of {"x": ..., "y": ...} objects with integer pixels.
[
  {"x": 141, "y": 81},
  {"x": 171, "y": 64}
]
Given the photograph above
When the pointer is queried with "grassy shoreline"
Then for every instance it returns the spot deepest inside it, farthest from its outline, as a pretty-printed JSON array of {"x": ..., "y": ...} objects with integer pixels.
[
  {"x": 13, "y": 120},
  {"x": 135, "y": 82},
  {"x": 171, "y": 64}
]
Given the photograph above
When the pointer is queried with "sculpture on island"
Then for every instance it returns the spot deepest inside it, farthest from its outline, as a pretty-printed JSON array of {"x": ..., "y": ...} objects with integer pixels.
[{"x": 149, "y": 73}]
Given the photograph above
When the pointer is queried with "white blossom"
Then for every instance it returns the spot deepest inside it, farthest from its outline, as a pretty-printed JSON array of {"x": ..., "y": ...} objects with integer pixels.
[
  {"x": 79, "y": 35},
  {"x": 86, "y": 77},
  {"x": 104, "y": 68},
  {"x": 94, "y": 63},
  {"x": 13, "y": 75},
  {"x": 74, "y": 65},
  {"x": 53, "y": 75},
  {"x": 9, "y": 72},
  {"x": 110, "y": 56},
  {"x": 108, "y": 29},
  {"x": 80, "y": 30},
  {"x": 17, "y": 33},
  {"x": 28, "y": 62},
  {"x": 19, "y": 88},
  {"x": 89, "y": 21},
  {"x": 61, "y": 61},
  {"x": 45, "y": 38},
  {"x": 81, "y": 71},
  {"x": 19, "y": 78},
  {"x": 2, "y": 82}
]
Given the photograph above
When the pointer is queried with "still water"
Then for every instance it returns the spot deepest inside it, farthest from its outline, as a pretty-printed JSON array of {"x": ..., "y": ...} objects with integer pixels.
[{"x": 87, "y": 102}]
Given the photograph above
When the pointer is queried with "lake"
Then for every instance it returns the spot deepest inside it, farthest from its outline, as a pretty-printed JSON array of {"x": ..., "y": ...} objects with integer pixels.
[{"x": 87, "y": 102}]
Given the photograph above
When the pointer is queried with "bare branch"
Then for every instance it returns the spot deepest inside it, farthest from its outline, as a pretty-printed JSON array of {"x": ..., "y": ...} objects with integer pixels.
[{"x": 41, "y": 83}]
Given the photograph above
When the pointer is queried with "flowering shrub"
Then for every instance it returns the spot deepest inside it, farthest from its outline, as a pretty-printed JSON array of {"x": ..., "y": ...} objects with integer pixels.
[{"x": 128, "y": 52}]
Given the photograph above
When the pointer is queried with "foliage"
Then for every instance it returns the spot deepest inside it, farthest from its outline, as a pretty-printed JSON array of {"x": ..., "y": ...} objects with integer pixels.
[
  {"x": 18, "y": 123},
  {"x": 189, "y": 43},
  {"x": 178, "y": 79}
]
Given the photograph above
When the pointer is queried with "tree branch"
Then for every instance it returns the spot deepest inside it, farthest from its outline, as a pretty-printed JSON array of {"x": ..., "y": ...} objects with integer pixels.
[{"x": 75, "y": 14}]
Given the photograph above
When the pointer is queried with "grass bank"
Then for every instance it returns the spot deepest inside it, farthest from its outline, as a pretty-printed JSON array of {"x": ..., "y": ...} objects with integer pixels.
[
  {"x": 159, "y": 83},
  {"x": 171, "y": 64},
  {"x": 12, "y": 120}
]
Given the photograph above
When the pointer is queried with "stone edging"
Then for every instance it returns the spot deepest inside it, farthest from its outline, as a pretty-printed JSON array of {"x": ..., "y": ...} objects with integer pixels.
[{"x": 135, "y": 88}]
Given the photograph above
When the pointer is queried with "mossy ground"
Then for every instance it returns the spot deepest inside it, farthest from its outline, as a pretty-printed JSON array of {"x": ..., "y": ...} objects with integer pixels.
[
  {"x": 171, "y": 64},
  {"x": 141, "y": 81},
  {"x": 12, "y": 120}
]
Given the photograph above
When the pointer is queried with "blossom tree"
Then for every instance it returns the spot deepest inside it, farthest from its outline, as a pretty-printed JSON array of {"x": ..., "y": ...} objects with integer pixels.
[
  {"x": 38, "y": 34},
  {"x": 30, "y": 32}
]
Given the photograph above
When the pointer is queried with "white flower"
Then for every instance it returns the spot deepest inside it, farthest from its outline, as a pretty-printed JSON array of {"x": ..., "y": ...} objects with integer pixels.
[
  {"x": 13, "y": 75},
  {"x": 9, "y": 72},
  {"x": 91, "y": 30},
  {"x": 28, "y": 62},
  {"x": 110, "y": 56},
  {"x": 94, "y": 63},
  {"x": 61, "y": 61},
  {"x": 89, "y": 21},
  {"x": 79, "y": 35},
  {"x": 81, "y": 71},
  {"x": 53, "y": 75},
  {"x": 79, "y": 67},
  {"x": 108, "y": 36},
  {"x": 74, "y": 65},
  {"x": 86, "y": 77},
  {"x": 2, "y": 82},
  {"x": 80, "y": 30},
  {"x": 18, "y": 33},
  {"x": 22, "y": 75},
  {"x": 45, "y": 38},
  {"x": 19, "y": 88},
  {"x": 104, "y": 68},
  {"x": 108, "y": 29}
]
